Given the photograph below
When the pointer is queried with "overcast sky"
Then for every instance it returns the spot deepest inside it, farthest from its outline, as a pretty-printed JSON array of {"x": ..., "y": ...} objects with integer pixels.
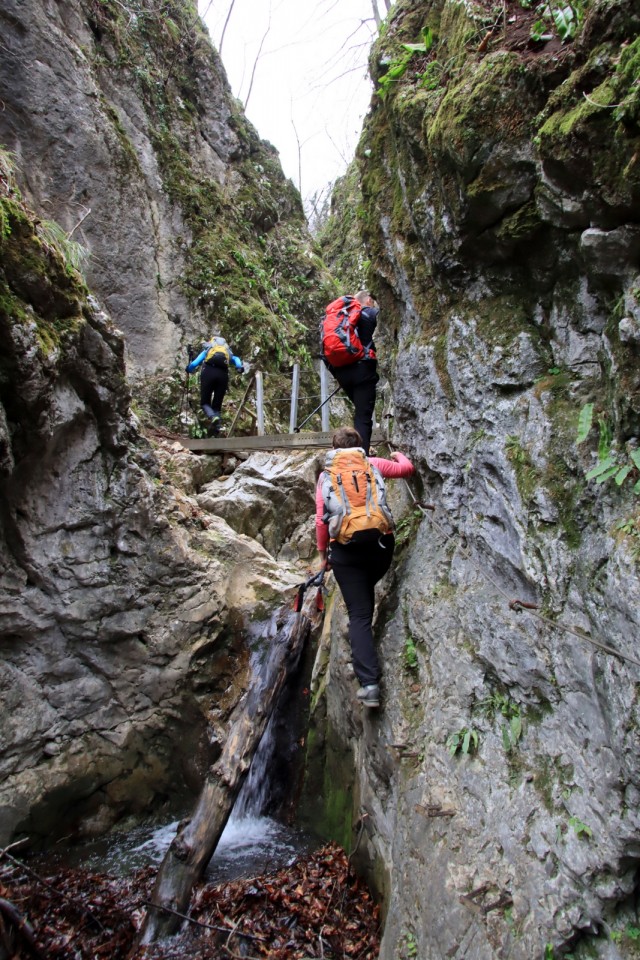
[{"x": 310, "y": 82}]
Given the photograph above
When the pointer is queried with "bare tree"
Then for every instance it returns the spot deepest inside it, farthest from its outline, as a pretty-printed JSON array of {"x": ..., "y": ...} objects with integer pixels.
[
  {"x": 224, "y": 29},
  {"x": 258, "y": 55},
  {"x": 299, "y": 146}
]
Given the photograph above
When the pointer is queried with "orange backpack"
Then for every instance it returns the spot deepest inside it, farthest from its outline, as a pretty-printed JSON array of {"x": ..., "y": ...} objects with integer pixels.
[{"x": 354, "y": 497}]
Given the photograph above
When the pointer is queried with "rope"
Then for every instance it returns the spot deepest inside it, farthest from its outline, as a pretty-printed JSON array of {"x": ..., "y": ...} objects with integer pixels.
[{"x": 517, "y": 605}]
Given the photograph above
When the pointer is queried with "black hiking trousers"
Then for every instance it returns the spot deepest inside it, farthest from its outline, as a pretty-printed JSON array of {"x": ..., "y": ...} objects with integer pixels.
[
  {"x": 357, "y": 569},
  {"x": 358, "y": 380},
  {"x": 213, "y": 386}
]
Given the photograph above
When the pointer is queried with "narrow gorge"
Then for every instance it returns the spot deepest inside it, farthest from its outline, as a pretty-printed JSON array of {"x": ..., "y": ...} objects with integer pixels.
[{"x": 493, "y": 206}]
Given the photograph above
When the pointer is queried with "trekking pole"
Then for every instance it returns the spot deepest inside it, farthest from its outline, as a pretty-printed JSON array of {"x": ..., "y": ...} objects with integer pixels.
[
  {"x": 319, "y": 407},
  {"x": 315, "y": 580}
]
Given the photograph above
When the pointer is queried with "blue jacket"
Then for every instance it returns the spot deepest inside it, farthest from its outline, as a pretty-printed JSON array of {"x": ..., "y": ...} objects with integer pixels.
[{"x": 218, "y": 342}]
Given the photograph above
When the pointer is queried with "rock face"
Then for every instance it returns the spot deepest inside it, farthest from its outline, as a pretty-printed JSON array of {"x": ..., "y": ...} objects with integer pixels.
[
  {"x": 127, "y": 613},
  {"x": 500, "y": 779},
  {"x": 125, "y": 133},
  {"x": 270, "y": 498},
  {"x": 497, "y": 788}
]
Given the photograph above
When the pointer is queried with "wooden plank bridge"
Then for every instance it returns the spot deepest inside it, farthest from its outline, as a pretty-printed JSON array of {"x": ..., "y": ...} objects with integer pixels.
[{"x": 274, "y": 441}]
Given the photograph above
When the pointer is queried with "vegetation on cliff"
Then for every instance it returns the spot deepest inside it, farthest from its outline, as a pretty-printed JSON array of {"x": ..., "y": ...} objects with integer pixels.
[
  {"x": 251, "y": 270},
  {"x": 511, "y": 119}
]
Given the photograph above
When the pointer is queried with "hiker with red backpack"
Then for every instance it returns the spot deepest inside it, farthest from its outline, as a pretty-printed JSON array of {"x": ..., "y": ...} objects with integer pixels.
[
  {"x": 214, "y": 378},
  {"x": 349, "y": 353},
  {"x": 354, "y": 535}
]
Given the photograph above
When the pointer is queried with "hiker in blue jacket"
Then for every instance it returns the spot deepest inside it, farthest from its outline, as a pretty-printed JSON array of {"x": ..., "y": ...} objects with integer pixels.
[{"x": 214, "y": 379}]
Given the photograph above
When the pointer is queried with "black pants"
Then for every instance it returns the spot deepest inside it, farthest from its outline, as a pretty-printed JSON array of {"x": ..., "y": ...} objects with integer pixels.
[
  {"x": 357, "y": 568},
  {"x": 213, "y": 386},
  {"x": 358, "y": 381}
]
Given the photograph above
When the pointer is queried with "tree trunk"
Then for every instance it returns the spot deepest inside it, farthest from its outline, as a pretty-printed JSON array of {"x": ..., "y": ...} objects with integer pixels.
[{"x": 197, "y": 837}]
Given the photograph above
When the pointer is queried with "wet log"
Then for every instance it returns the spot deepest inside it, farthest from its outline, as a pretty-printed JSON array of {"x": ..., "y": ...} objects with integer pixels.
[{"x": 196, "y": 839}]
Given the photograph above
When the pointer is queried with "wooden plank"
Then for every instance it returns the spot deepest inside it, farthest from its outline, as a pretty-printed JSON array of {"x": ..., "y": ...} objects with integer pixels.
[{"x": 274, "y": 441}]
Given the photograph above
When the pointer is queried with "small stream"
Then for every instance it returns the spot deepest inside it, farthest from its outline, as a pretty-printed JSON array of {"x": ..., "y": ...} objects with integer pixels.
[
  {"x": 253, "y": 841},
  {"x": 250, "y": 845}
]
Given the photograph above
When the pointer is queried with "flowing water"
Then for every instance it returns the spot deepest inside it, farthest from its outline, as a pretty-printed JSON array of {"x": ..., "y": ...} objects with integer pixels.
[{"x": 252, "y": 843}]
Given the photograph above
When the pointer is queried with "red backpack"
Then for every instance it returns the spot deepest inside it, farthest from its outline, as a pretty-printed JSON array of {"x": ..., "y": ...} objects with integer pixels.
[{"x": 341, "y": 344}]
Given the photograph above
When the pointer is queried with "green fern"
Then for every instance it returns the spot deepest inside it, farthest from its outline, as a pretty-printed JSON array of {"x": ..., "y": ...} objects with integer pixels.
[{"x": 585, "y": 420}]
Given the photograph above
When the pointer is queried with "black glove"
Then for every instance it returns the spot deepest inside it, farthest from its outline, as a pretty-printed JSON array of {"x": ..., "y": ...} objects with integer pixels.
[
  {"x": 240, "y": 369},
  {"x": 190, "y": 352},
  {"x": 186, "y": 369}
]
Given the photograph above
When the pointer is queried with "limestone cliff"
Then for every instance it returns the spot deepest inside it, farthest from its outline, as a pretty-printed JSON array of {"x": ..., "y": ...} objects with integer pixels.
[
  {"x": 501, "y": 200},
  {"x": 128, "y": 613},
  {"x": 498, "y": 204},
  {"x": 125, "y": 133}
]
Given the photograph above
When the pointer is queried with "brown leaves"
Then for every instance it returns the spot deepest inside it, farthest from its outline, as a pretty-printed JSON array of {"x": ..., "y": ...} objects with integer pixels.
[{"x": 314, "y": 908}]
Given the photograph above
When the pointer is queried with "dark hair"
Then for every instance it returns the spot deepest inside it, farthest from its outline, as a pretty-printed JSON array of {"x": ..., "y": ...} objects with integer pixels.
[{"x": 346, "y": 437}]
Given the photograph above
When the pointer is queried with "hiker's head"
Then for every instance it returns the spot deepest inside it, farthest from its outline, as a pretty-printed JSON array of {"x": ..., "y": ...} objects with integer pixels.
[
  {"x": 366, "y": 298},
  {"x": 346, "y": 437}
]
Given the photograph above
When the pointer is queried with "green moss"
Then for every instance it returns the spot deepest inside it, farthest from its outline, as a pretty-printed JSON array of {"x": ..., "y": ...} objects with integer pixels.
[
  {"x": 126, "y": 159},
  {"x": 564, "y": 485},
  {"x": 327, "y": 804},
  {"x": 36, "y": 286},
  {"x": 599, "y": 103},
  {"x": 627, "y": 73},
  {"x": 339, "y": 238},
  {"x": 562, "y": 123},
  {"x": 526, "y": 476},
  {"x": 565, "y": 490},
  {"x": 485, "y": 105},
  {"x": 521, "y": 225},
  {"x": 501, "y": 319},
  {"x": 462, "y": 22},
  {"x": 549, "y": 776},
  {"x": 440, "y": 363}
]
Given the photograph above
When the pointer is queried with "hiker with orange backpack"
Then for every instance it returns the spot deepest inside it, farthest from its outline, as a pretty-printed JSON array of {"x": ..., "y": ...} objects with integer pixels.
[
  {"x": 214, "y": 378},
  {"x": 349, "y": 353},
  {"x": 354, "y": 535}
]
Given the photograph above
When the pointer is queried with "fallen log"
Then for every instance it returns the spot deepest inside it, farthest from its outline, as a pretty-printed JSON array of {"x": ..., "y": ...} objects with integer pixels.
[{"x": 196, "y": 839}]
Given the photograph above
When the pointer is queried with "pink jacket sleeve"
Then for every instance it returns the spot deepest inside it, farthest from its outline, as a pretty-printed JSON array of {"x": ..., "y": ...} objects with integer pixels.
[
  {"x": 401, "y": 466},
  {"x": 322, "y": 530}
]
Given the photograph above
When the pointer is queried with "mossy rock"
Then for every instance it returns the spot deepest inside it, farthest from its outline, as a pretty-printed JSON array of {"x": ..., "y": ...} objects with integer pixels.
[
  {"x": 484, "y": 108},
  {"x": 578, "y": 121}
]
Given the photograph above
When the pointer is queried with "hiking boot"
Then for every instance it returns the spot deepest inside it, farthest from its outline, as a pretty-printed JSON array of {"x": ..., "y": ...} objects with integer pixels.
[
  {"x": 369, "y": 696},
  {"x": 214, "y": 427}
]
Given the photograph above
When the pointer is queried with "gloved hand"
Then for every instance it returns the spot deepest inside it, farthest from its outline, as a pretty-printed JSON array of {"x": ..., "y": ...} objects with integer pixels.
[
  {"x": 186, "y": 369},
  {"x": 241, "y": 369}
]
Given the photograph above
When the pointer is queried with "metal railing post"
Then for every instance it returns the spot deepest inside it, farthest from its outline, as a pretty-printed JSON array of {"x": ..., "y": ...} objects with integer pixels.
[
  {"x": 295, "y": 390},
  {"x": 324, "y": 395},
  {"x": 260, "y": 403}
]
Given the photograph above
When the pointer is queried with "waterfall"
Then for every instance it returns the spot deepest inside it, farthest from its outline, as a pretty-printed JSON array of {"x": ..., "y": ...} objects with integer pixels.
[{"x": 254, "y": 796}]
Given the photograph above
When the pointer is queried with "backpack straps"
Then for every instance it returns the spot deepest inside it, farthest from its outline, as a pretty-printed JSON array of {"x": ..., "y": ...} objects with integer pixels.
[
  {"x": 343, "y": 496},
  {"x": 369, "y": 501}
]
